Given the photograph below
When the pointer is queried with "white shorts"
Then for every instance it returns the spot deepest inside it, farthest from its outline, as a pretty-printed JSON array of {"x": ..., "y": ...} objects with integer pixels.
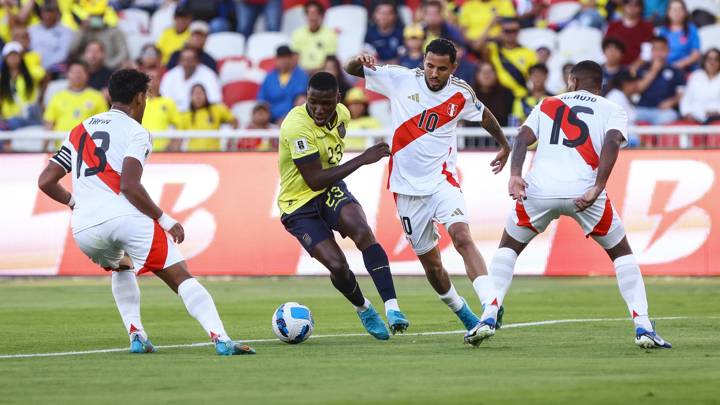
[
  {"x": 147, "y": 244},
  {"x": 419, "y": 215},
  {"x": 599, "y": 221}
]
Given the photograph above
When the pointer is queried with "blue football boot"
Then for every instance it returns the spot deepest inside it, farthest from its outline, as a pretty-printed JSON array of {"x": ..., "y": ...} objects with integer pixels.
[
  {"x": 397, "y": 321},
  {"x": 374, "y": 324},
  {"x": 230, "y": 348},
  {"x": 467, "y": 316},
  {"x": 140, "y": 345},
  {"x": 650, "y": 340}
]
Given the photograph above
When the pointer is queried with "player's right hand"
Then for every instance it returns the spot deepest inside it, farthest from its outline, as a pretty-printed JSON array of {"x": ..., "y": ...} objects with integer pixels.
[
  {"x": 366, "y": 60},
  {"x": 375, "y": 153},
  {"x": 177, "y": 232},
  {"x": 516, "y": 188}
]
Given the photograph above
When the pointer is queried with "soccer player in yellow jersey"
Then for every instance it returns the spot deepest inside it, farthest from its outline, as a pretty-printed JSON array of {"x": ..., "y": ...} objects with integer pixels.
[{"x": 315, "y": 200}]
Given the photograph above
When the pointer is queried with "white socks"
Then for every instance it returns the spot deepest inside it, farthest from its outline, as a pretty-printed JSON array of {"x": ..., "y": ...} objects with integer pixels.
[
  {"x": 391, "y": 304},
  {"x": 200, "y": 306},
  {"x": 127, "y": 298},
  {"x": 452, "y": 299},
  {"x": 632, "y": 290},
  {"x": 485, "y": 290},
  {"x": 501, "y": 270},
  {"x": 365, "y": 306}
]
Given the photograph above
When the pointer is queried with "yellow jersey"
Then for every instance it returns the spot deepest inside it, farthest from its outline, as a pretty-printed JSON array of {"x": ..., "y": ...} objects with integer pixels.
[
  {"x": 210, "y": 118},
  {"x": 518, "y": 60},
  {"x": 68, "y": 108},
  {"x": 17, "y": 106},
  {"x": 170, "y": 41},
  {"x": 313, "y": 47},
  {"x": 476, "y": 16},
  {"x": 301, "y": 140},
  {"x": 160, "y": 114}
]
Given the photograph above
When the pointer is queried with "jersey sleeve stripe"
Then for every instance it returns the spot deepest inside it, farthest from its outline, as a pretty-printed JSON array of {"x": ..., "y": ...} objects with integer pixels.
[
  {"x": 463, "y": 84},
  {"x": 65, "y": 166},
  {"x": 308, "y": 158}
]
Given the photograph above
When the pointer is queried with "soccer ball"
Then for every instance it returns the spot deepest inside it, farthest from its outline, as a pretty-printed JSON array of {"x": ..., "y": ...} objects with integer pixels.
[{"x": 293, "y": 323}]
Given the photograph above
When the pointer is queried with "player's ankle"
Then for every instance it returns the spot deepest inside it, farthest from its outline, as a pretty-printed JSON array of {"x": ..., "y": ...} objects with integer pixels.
[{"x": 364, "y": 307}]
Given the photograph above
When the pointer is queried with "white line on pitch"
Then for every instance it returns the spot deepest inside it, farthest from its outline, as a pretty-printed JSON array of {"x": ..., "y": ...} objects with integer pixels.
[{"x": 447, "y": 332}]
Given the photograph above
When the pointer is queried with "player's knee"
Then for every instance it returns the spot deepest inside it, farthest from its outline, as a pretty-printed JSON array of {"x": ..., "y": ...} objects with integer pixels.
[
  {"x": 338, "y": 268},
  {"x": 363, "y": 238},
  {"x": 463, "y": 241}
]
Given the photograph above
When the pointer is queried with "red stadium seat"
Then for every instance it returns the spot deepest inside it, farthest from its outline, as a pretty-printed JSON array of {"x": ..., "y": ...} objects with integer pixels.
[
  {"x": 239, "y": 91},
  {"x": 267, "y": 64},
  {"x": 292, "y": 3},
  {"x": 222, "y": 61}
]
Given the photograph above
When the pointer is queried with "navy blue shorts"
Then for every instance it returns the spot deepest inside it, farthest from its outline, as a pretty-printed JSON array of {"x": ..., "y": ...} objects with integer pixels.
[{"x": 314, "y": 222}]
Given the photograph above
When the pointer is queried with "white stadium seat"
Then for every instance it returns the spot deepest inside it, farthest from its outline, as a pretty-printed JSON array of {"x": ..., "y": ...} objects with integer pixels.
[
  {"x": 233, "y": 71},
  {"x": 560, "y": 13},
  {"x": 135, "y": 42},
  {"x": 350, "y": 22},
  {"x": 292, "y": 19},
  {"x": 262, "y": 45},
  {"x": 709, "y": 37},
  {"x": 534, "y": 38},
  {"x": 580, "y": 43},
  {"x": 405, "y": 14},
  {"x": 243, "y": 111},
  {"x": 224, "y": 44},
  {"x": 134, "y": 21},
  {"x": 29, "y": 145},
  {"x": 380, "y": 109},
  {"x": 162, "y": 19},
  {"x": 52, "y": 88},
  {"x": 710, "y": 6}
]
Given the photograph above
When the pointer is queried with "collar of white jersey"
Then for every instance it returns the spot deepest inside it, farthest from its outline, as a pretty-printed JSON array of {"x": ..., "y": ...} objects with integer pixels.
[{"x": 118, "y": 111}]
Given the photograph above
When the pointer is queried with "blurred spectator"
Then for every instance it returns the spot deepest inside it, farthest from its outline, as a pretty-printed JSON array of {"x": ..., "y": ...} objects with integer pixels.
[
  {"x": 613, "y": 50},
  {"x": 385, "y": 34},
  {"x": 511, "y": 60},
  {"x": 622, "y": 89},
  {"x": 588, "y": 15},
  {"x": 283, "y": 84},
  {"x": 300, "y": 99},
  {"x": 682, "y": 37},
  {"x": 543, "y": 54},
  {"x": 654, "y": 11},
  {"x": 479, "y": 18},
  {"x": 435, "y": 25},
  {"x": 198, "y": 36},
  {"x": 413, "y": 50},
  {"x": 660, "y": 87},
  {"x": 260, "y": 119},
  {"x": 174, "y": 38},
  {"x": 112, "y": 39},
  {"x": 357, "y": 103},
  {"x": 332, "y": 65},
  {"x": 632, "y": 31},
  {"x": 67, "y": 108},
  {"x": 465, "y": 69},
  {"x": 76, "y": 13},
  {"x": 178, "y": 81},
  {"x": 161, "y": 113},
  {"x": 701, "y": 100},
  {"x": 94, "y": 57},
  {"x": 314, "y": 42},
  {"x": 19, "y": 90},
  {"x": 204, "y": 115},
  {"x": 538, "y": 75},
  {"x": 248, "y": 12},
  {"x": 51, "y": 39},
  {"x": 492, "y": 94},
  {"x": 219, "y": 14},
  {"x": 150, "y": 58},
  {"x": 32, "y": 59}
]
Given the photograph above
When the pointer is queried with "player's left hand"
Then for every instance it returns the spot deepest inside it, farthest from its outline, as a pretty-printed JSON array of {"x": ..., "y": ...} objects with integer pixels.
[
  {"x": 588, "y": 199},
  {"x": 177, "y": 232},
  {"x": 500, "y": 159}
]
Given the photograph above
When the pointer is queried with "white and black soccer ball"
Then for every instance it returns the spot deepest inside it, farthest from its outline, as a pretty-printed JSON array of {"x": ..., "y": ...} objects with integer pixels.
[{"x": 293, "y": 323}]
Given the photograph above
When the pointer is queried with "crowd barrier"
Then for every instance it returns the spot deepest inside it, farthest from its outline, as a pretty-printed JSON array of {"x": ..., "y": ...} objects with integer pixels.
[{"x": 226, "y": 202}]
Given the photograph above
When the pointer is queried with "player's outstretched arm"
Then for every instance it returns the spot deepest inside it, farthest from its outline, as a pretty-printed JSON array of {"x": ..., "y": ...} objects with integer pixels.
[
  {"x": 318, "y": 178},
  {"x": 608, "y": 156},
  {"x": 355, "y": 66},
  {"x": 135, "y": 192},
  {"x": 491, "y": 124},
  {"x": 516, "y": 185},
  {"x": 49, "y": 183}
]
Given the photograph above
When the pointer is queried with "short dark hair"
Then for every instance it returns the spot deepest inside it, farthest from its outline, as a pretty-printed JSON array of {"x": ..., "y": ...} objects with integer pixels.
[
  {"x": 589, "y": 74},
  {"x": 323, "y": 81},
  {"x": 316, "y": 4},
  {"x": 125, "y": 84},
  {"x": 608, "y": 42},
  {"x": 442, "y": 46},
  {"x": 658, "y": 38},
  {"x": 538, "y": 66}
]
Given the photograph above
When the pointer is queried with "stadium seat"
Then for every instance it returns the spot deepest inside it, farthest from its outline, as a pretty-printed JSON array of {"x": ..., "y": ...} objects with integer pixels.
[
  {"x": 405, "y": 14},
  {"x": 710, "y": 6},
  {"x": 579, "y": 43},
  {"x": 380, "y": 109},
  {"x": 292, "y": 19},
  {"x": 162, "y": 19},
  {"x": 52, "y": 88},
  {"x": 709, "y": 37},
  {"x": 223, "y": 61},
  {"x": 134, "y": 21},
  {"x": 236, "y": 92},
  {"x": 233, "y": 71},
  {"x": 243, "y": 111},
  {"x": 267, "y": 64},
  {"x": 534, "y": 38},
  {"x": 350, "y": 22},
  {"x": 555, "y": 83},
  {"x": 224, "y": 44},
  {"x": 560, "y": 13},
  {"x": 28, "y": 145},
  {"x": 262, "y": 45},
  {"x": 136, "y": 41}
]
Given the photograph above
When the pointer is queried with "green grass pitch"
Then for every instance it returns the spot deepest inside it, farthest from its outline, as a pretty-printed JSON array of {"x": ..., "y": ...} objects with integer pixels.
[{"x": 589, "y": 362}]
